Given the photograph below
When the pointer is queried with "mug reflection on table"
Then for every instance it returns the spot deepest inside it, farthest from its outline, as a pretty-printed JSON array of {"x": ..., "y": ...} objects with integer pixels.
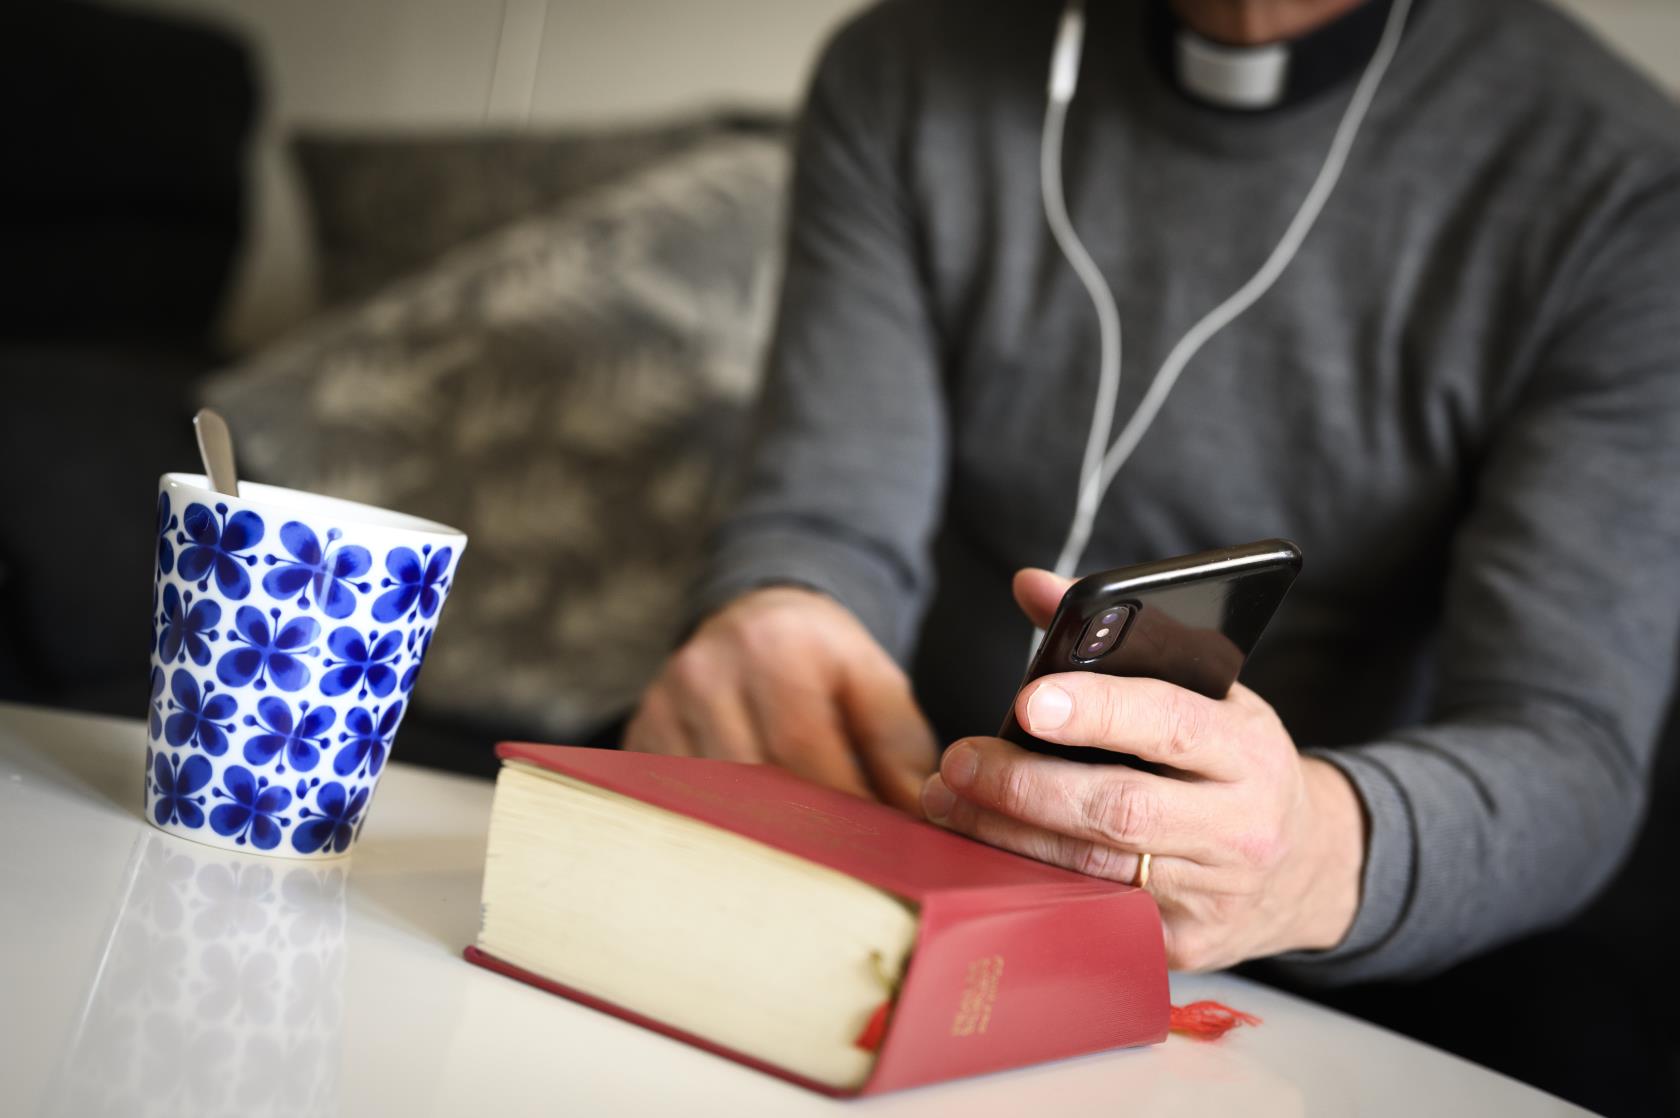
[
  {"x": 220, "y": 990},
  {"x": 289, "y": 630}
]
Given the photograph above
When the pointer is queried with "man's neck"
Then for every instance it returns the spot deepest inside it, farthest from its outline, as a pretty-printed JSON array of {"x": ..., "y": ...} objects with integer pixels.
[{"x": 1252, "y": 22}]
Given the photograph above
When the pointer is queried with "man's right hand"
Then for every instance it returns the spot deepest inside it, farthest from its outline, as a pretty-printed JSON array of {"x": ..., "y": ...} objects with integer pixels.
[{"x": 790, "y": 677}]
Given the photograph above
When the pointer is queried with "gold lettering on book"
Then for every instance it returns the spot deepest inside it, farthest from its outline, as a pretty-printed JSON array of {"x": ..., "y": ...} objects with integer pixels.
[{"x": 980, "y": 990}]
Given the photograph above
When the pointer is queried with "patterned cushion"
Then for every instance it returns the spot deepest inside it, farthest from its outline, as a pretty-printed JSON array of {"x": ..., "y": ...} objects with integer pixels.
[
  {"x": 383, "y": 205},
  {"x": 568, "y": 391}
]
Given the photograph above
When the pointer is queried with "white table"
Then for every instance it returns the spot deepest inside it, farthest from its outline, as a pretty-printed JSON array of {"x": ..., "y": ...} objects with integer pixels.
[{"x": 142, "y": 974}]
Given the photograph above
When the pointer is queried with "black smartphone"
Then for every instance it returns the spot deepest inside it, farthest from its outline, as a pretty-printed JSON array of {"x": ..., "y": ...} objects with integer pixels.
[{"x": 1192, "y": 621}]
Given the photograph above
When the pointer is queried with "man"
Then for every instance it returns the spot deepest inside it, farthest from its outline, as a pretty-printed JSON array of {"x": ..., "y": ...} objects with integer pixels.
[{"x": 1462, "y": 399}]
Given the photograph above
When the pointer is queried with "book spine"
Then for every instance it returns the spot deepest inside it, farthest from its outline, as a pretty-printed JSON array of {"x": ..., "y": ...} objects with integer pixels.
[{"x": 992, "y": 987}]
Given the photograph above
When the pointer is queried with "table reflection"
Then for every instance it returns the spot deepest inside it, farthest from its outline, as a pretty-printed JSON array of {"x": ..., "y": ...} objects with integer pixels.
[{"x": 220, "y": 989}]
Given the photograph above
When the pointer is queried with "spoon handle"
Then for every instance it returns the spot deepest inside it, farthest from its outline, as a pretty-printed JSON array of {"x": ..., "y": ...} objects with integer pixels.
[{"x": 215, "y": 446}]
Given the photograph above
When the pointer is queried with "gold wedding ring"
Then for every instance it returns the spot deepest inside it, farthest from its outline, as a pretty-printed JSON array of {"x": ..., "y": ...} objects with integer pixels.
[{"x": 1140, "y": 880}]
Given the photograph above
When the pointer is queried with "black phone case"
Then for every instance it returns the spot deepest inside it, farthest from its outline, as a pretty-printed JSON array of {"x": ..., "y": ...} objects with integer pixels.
[{"x": 1192, "y": 621}]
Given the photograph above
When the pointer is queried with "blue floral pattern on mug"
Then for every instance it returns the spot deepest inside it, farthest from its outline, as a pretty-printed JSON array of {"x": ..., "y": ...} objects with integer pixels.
[
  {"x": 217, "y": 539},
  {"x": 154, "y": 712},
  {"x": 271, "y": 653},
  {"x": 253, "y": 808},
  {"x": 367, "y": 663},
  {"x": 419, "y": 583},
  {"x": 199, "y": 717},
  {"x": 186, "y": 628},
  {"x": 174, "y": 782},
  {"x": 299, "y": 741},
  {"x": 329, "y": 573},
  {"x": 365, "y": 737},
  {"x": 333, "y": 823},
  {"x": 167, "y": 522},
  {"x": 419, "y": 640},
  {"x": 281, "y": 664}
]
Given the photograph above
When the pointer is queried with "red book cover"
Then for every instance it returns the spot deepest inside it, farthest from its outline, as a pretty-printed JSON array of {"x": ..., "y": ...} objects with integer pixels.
[{"x": 1015, "y": 962}]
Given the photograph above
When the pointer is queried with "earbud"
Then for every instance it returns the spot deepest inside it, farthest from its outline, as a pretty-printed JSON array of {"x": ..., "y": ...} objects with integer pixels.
[{"x": 1064, "y": 60}]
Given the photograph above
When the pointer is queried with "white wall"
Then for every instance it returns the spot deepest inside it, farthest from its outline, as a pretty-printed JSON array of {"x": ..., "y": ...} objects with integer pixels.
[
  {"x": 1646, "y": 31},
  {"x": 462, "y": 63}
]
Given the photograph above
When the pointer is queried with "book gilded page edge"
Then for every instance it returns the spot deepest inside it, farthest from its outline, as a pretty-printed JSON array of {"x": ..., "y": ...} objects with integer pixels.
[
  {"x": 891, "y": 975},
  {"x": 479, "y": 957}
]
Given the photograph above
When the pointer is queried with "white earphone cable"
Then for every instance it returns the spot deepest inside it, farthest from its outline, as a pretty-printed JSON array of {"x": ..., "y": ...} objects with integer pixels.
[
  {"x": 1094, "y": 480},
  {"x": 1064, "y": 73}
]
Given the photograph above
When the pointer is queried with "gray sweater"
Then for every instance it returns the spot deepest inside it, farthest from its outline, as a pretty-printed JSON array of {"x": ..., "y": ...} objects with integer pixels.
[{"x": 1462, "y": 400}]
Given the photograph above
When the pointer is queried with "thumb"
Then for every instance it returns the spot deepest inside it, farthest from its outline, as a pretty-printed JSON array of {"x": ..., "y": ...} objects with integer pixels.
[
  {"x": 893, "y": 739},
  {"x": 1038, "y": 592}
]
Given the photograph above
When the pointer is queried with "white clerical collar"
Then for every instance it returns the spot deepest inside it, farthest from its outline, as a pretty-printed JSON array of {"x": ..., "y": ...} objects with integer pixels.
[
  {"x": 1273, "y": 76},
  {"x": 1231, "y": 77}
]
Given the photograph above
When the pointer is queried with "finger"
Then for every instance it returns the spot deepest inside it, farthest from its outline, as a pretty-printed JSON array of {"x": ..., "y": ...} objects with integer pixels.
[
  {"x": 1178, "y": 937},
  {"x": 894, "y": 741},
  {"x": 1247, "y": 699},
  {"x": 720, "y": 727},
  {"x": 1038, "y": 592},
  {"x": 1079, "y": 855},
  {"x": 949, "y": 810},
  {"x": 1110, "y": 805},
  {"x": 1193, "y": 946},
  {"x": 704, "y": 698},
  {"x": 1148, "y": 718},
  {"x": 655, "y": 729},
  {"x": 802, "y": 731}
]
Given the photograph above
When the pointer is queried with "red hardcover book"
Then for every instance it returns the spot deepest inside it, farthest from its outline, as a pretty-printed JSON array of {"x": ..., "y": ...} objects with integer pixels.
[{"x": 1013, "y": 961}]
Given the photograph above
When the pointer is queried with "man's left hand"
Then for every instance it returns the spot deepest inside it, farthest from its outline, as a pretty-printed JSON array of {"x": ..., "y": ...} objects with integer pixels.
[{"x": 1255, "y": 849}]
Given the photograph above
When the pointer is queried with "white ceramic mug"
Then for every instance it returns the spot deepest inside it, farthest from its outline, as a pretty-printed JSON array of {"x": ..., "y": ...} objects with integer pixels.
[{"x": 288, "y": 631}]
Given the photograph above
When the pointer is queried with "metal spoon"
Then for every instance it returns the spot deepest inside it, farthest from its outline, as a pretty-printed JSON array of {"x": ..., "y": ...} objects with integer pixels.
[{"x": 215, "y": 446}]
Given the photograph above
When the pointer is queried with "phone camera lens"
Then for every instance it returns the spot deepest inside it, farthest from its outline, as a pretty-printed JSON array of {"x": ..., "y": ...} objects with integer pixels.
[{"x": 1102, "y": 633}]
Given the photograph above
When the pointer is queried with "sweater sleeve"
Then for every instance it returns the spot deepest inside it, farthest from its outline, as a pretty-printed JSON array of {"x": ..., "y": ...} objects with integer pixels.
[
  {"x": 846, "y": 468},
  {"x": 1517, "y": 801}
]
